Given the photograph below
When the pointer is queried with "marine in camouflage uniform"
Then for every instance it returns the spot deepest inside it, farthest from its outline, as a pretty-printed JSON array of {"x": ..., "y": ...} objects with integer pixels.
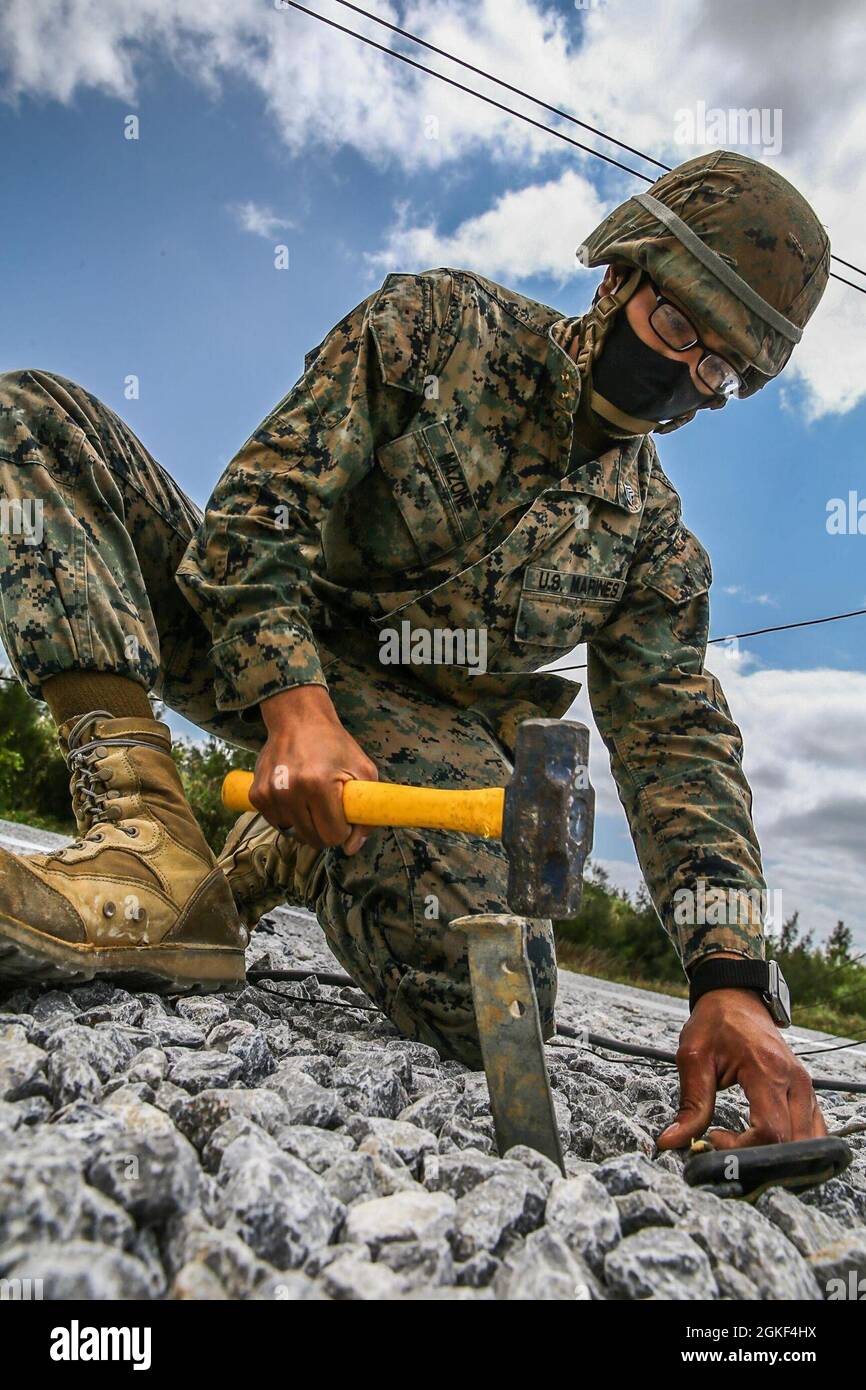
[{"x": 435, "y": 464}]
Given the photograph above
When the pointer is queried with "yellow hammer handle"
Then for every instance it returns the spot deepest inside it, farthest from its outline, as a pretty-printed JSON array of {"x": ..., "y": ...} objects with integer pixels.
[{"x": 389, "y": 803}]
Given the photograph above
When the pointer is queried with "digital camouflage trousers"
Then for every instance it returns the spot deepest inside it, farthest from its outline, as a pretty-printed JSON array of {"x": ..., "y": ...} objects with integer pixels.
[{"x": 91, "y": 533}]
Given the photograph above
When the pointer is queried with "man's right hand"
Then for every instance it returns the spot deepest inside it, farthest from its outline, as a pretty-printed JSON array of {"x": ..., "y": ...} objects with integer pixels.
[{"x": 303, "y": 767}]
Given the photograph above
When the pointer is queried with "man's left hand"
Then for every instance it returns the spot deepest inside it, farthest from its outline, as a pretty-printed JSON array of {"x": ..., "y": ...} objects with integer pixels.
[{"x": 730, "y": 1037}]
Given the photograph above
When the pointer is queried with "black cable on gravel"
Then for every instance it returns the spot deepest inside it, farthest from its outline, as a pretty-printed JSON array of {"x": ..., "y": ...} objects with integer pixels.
[{"x": 656, "y": 1054}]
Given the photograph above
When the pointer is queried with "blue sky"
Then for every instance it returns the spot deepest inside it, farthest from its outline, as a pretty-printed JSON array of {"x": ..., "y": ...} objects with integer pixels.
[{"x": 135, "y": 257}]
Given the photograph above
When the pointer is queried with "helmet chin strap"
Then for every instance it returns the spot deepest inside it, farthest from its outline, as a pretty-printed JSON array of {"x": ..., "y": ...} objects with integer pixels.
[
  {"x": 612, "y": 415},
  {"x": 598, "y": 324}
]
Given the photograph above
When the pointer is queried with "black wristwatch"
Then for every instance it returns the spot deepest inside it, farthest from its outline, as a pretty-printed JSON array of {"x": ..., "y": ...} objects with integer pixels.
[{"x": 761, "y": 975}]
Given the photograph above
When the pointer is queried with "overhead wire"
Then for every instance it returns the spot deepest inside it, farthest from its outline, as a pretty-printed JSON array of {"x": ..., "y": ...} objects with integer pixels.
[
  {"x": 731, "y": 637},
  {"x": 558, "y": 111},
  {"x": 527, "y": 96},
  {"x": 470, "y": 91},
  {"x": 508, "y": 86},
  {"x": 593, "y": 1039}
]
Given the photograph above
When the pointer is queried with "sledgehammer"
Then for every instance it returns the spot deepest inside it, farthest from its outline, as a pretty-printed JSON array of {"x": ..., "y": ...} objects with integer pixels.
[{"x": 544, "y": 816}]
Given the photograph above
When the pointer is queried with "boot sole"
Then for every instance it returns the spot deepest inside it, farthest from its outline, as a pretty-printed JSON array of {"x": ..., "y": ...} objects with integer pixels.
[{"x": 30, "y": 957}]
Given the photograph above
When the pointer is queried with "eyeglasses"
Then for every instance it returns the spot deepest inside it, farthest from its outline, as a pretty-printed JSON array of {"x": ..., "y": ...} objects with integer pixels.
[{"x": 676, "y": 332}]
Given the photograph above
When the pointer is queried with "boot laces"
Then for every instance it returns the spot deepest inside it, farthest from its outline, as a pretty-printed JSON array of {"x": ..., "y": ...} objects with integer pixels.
[{"x": 87, "y": 785}]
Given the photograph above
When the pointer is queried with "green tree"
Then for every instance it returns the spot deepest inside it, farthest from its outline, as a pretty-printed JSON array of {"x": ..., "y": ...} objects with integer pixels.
[
  {"x": 34, "y": 778},
  {"x": 202, "y": 767},
  {"x": 837, "y": 947},
  {"x": 34, "y": 781},
  {"x": 611, "y": 926}
]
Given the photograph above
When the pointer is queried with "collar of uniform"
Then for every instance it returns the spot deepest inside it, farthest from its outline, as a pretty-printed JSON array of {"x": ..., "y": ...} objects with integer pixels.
[
  {"x": 562, "y": 366},
  {"x": 613, "y": 476}
]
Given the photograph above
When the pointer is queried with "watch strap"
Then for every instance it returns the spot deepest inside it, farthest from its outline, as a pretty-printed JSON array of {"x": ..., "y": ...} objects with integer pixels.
[{"x": 729, "y": 974}]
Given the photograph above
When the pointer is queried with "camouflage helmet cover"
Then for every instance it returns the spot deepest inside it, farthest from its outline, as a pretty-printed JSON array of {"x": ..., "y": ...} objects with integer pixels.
[{"x": 765, "y": 233}]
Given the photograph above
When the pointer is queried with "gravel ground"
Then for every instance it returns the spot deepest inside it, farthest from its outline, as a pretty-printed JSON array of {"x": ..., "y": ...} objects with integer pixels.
[{"x": 272, "y": 1145}]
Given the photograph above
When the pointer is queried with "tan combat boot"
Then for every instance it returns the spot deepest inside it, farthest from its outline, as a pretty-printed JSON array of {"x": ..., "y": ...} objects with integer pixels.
[
  {"x": 138, "y": 897},
  {"x": 266, "y": 868}
]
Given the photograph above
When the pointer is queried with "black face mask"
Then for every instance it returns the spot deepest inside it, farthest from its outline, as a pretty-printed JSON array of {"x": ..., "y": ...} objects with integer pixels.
[{"x": 641, "y": 382}]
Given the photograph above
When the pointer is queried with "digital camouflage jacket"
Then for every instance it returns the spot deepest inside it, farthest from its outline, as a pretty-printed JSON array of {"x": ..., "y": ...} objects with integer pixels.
[{"x": 420, "y": 470}]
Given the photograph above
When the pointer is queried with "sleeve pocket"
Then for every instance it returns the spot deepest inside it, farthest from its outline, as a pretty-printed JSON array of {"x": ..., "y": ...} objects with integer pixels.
[{"x": 683, "y": 570}]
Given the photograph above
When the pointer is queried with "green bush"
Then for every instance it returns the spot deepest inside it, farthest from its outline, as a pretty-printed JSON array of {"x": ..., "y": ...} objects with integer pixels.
[
  {"x": 202, "y": 767},
  {"x": 629, "y": 932},
  {"x": 613, "y": 936},
  {"x": 34, "y": 778},
  {"x": 619, "y": 938}
]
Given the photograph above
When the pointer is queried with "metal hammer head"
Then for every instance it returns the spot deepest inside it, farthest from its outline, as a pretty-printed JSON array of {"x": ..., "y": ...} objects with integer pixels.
[{"x": 549, "y": 816}]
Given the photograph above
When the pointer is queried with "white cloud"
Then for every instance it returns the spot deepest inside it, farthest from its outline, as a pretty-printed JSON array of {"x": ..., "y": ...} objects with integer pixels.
[
  {"x": 738, "y": 591},
  {"x": 631, "y": 68},
  {"x": 53, "y": 48},
  {"x": 530, "y": 231},
  {"x": 828, "y": 369},
  {"x": 637, "y": 86},
  {"x": 259, "y": 220},
  {"x": 320, "y": 87}
]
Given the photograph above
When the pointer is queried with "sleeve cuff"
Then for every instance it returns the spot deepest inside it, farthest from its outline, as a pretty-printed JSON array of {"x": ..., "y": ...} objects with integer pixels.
[
  {"x": 725, "y": 920},
  {"x": 258, "y": 662}
]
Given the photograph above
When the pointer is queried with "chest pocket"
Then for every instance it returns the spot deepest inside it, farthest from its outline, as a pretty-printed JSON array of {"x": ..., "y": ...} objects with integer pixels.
[
  {"x": 559, "y": 607},
  {"x": 430, "y": 487}
]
